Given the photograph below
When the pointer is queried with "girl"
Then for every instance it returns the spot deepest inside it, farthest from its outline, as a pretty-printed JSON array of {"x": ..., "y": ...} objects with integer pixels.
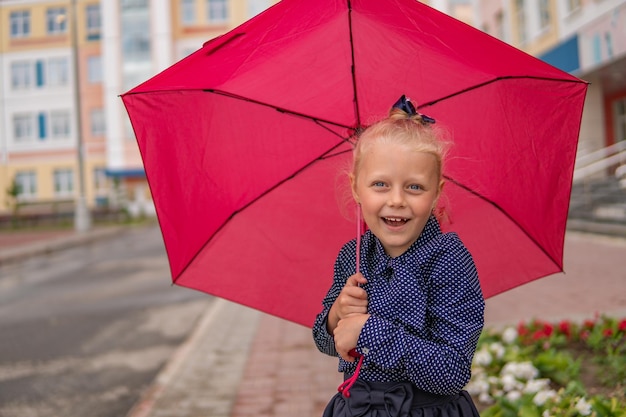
[{"x": 405, "y": 326}]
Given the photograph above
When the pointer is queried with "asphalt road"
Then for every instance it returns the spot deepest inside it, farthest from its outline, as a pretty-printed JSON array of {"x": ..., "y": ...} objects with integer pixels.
[{"x": 85, "y": 330}]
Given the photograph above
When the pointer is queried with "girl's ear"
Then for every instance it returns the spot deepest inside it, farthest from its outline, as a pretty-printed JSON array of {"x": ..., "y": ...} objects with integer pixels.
[
  {"x": 439, "y": 190},
  {"x": 441, "y": 184},
  {"x": 353, "y": 188}
]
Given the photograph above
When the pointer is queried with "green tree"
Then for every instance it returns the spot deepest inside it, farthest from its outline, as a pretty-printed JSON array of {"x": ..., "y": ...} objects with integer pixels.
[{"x": 13, "y": 192}]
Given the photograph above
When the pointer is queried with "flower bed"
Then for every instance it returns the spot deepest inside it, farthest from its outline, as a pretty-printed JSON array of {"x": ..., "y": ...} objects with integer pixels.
[{"x": 542, "y": 369}]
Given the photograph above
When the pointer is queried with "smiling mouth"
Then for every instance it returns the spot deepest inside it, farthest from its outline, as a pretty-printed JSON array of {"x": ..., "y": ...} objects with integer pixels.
[{"x": 395, "y": 221}]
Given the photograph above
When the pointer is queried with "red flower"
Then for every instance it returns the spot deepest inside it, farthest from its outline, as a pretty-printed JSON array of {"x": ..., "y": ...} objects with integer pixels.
[
  {"x": 547, "y": 329},
  {"x": 622, "y": 325},
  {"x": 522, "y": 330},
  {"x": 588, "y": 324},
  {"x": 607, "y": 332},
  {"x": 538, "y": 335},
  {"x": 565, "y": 327}
]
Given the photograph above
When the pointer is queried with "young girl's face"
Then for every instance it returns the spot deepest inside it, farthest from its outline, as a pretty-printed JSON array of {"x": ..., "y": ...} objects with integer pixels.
[{"x": 397, "y": 188}]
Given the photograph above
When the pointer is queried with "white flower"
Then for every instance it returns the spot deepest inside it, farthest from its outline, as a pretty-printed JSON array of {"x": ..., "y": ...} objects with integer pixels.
[
  {"x": 535, "y": 385},
  {"x": 483, "y": 358},
  {"x": 509, "y": 335},
  {"x": 513, "y": 395},
  {"x": 542, "y": 396},
  {"x": 497, "y": 349},
  {"x": 477, "y": 386},
  {"x": 521, "y": 370},
  {"x": 509, "y": 383},
  {"x": 583, "y": 407},
  {"x": 484, "y": 398},
  {"x": 546, "y": 413}
]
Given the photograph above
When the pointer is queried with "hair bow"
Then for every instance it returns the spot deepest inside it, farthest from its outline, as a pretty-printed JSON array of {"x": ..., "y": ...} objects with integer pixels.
[{"x": 404, "y": 103}]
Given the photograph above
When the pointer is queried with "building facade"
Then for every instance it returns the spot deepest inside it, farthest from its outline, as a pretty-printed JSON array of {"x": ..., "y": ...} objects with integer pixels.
[
  {"x": 121, "y": 43},
  {"x": 586, "y": 38},
  {"x": 52, "y": 106}
]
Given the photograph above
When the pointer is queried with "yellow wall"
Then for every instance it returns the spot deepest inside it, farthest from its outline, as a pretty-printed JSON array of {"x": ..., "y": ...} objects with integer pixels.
[
  {"x": 38, "y": 37},
  {"x": 44, "y": 172},
  {"x": 541, "y": 43}
]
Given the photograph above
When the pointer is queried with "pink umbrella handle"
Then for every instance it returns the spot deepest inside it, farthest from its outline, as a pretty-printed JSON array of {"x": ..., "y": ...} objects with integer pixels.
[{"x": 358, "y": 236}]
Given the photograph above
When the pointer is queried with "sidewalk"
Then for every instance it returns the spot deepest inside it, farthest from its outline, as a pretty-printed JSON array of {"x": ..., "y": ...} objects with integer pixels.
[{"x": 239, "y": 362}]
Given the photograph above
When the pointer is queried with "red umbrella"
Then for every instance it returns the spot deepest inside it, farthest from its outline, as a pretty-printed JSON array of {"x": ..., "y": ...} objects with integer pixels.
[{"x": 245, "y": 144}]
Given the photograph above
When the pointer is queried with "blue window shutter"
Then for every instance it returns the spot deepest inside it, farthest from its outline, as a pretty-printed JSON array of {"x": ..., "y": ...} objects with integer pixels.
[
  {"x": 39, "y": 69},
  {"x": 42, "y": 126}
]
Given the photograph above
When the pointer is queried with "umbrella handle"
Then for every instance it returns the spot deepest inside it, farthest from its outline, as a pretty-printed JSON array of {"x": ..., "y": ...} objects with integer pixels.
[{"x": 358, "y": 237}]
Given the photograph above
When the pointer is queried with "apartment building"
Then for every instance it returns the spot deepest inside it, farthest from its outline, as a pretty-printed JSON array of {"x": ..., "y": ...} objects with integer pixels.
[
  {"x": 586, "y": 38},
  {"x": 53, "y": 106}
]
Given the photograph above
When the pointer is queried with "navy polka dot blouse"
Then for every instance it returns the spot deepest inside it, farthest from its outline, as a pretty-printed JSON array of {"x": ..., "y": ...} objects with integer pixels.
[{"x": 426, "y": 310}]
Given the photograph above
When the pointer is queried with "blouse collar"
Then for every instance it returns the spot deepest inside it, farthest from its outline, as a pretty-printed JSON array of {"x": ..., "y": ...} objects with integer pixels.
[{"x": 374, "y": 254}]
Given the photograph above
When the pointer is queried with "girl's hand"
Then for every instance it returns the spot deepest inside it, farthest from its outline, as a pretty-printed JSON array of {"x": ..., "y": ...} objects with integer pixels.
[
  {"x": 347, "y": 333},
  {"x": 351, "y": 300}
]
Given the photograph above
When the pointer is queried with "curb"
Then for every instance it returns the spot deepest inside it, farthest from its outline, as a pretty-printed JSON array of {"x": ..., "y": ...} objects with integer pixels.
[
  {"x": 148, "y": 399},
  {"x": 25, "y": 251},
  {"x": 203, "y": 375},
  {"x": 606, "y": 229}
]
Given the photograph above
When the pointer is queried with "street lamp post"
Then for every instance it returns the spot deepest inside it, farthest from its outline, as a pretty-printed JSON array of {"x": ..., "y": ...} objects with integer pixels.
[{"x": 82, "y": 216}]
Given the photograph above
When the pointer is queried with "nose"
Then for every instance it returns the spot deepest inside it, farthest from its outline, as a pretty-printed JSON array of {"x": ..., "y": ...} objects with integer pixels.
[{"x": 396, "y": 198}]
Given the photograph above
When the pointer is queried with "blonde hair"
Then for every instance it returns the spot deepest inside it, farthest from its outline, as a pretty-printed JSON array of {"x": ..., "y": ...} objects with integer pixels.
[{"x": 404, "y": 128}]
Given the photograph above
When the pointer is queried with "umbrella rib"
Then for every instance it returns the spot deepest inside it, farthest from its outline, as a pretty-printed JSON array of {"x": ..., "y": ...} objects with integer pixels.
[
  {"x": 466, "y": 188},
  {"x": 507, "y": 77},
  {"x": 279, "y": 109},
  {"x": 353, "y": 68}
]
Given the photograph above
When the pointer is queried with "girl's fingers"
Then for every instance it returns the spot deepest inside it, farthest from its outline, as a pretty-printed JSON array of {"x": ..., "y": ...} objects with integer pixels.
[{"x": 356, "y": 280}]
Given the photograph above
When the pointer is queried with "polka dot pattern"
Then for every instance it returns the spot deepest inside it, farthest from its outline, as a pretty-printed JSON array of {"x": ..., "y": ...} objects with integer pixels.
[{"x": 426, "y": 310}]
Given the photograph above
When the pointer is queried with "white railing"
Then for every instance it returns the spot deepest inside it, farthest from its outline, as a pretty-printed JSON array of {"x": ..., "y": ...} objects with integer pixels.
[{"x": 600, "y": 160}]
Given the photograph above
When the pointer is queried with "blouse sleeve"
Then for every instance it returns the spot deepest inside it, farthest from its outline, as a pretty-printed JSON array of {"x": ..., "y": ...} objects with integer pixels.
[
  {"x": 342, "y": 271},
  {"x": 439, "y": 360}
]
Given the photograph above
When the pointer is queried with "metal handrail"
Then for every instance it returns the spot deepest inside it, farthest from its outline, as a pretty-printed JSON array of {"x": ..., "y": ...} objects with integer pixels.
[
  {"x": 599, "y": 154},
  {"x": 600, "y": 160}
]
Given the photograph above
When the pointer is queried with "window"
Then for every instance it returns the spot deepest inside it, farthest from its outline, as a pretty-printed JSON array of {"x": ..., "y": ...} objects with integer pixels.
[
  {"x": 520, "y": 19},
  {"x": 187, "y": 12},
  {"x": 544, "y": 14},
  {"x": 500, "y": 25},
  {"x": 23, "y": 127},
  {"x": 256, "y": 6},
  {"x": 619, "y": 112},
  {"x": 94, "y": 22},
  {"x": 98, "y": 126},
  {"x": 135, "y": 31},
  {"x": 99, "y": 179},
  {"x": 63, "y": 182},
  {"x": 21, "y": 77},
  {"x": 609, "y": 44},
  {"x": 20, "y": 23},
  {"x": 573, "y": 5},
  {"x": 58, "y": 71},
  {"x": 56, "y": 20},
  {"x": 60, "y": 124},
  {"x": 217, "y": 11},
  {"x": 94, "y": 69},
  {"x": 26, "y": 183},
  {"x": 596, "y": 47}
]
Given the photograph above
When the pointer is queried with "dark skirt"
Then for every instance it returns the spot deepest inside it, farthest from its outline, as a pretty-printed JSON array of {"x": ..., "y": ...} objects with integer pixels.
[{"x": 398, "y": 399}]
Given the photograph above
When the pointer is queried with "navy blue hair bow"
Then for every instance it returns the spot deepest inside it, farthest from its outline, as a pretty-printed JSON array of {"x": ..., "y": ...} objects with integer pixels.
[{"x": 407, "y": 106}]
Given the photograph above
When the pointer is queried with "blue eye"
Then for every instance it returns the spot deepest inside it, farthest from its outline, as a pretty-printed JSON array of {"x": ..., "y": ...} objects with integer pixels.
[
  {"x": 378, "y": 184},
  {"x": 415, "y": 187}
]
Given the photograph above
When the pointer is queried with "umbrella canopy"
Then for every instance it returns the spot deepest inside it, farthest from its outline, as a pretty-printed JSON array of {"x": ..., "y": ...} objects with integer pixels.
[{"x": 246, "y": 144}]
